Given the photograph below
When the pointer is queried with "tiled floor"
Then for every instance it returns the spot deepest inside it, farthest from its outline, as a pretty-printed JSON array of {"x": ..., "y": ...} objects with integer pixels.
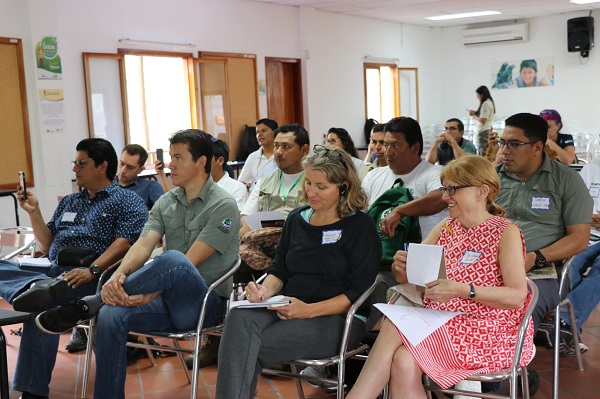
[{"x": 167, "y": 380}]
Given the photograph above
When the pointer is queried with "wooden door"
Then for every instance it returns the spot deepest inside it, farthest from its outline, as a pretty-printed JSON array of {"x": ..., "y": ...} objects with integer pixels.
[{"x": 284, "y": 90}]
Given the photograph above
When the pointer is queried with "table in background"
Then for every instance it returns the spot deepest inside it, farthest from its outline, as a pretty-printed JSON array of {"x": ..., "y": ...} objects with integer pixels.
[{"x": 7, "y": 317}]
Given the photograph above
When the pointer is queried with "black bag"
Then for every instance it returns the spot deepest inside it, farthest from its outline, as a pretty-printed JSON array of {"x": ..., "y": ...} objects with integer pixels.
[{"x": 76, "y": 257}]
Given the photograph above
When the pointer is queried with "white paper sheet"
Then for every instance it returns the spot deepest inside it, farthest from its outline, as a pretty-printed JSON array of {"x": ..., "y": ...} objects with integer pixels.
[
  {"x": 415, "y": 323},
  {"x": 423, "y": 263},
  {"x": 253, "y": 221},
  {"x": 275, "y": 301},
  {"x": 35, "y": 262}
]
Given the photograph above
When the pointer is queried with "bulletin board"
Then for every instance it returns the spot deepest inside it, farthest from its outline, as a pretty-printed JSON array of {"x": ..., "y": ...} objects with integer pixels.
[{"x": 15, "y": 150}]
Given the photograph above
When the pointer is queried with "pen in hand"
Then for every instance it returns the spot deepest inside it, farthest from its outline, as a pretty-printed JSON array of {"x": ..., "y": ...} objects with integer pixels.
[{"x": 260, "y": 298}]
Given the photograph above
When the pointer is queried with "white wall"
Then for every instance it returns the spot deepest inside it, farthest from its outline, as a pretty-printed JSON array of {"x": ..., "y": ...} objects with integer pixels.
[
  {"x": 576, "y": 93},
  {"x": 337, "y": 46},
  {"x": 333, "y": 74}
]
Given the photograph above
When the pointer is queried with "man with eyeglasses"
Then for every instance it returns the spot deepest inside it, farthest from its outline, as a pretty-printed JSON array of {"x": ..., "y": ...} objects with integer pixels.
[
  {"x": 450, "y": 144},
  {"x": 548, "y": 200},
  {"x": 103, "y": 218}
]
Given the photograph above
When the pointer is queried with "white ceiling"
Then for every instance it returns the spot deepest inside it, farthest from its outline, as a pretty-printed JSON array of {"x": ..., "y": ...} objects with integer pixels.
[{"x": 414, "y": 11}]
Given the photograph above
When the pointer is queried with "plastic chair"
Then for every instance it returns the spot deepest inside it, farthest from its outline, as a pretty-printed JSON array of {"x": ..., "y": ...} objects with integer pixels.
[
  {"x": 563, "y": 291},
  {"x": 197, "y": 334},
  {"x": 509, "y": 374},
  {"x": 340, "y": 359},
  {"x": 16, "y": 241}
]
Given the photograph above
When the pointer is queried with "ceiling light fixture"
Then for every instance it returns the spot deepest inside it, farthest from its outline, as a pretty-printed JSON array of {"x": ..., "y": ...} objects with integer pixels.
[
  {"x": 463, "y": 15},
  {"x": 188, "y": 46},
  {"x": 584, "y": 1}
]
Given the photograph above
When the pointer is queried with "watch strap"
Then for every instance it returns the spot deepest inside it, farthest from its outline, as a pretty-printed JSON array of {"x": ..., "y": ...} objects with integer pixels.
[{"x": 472, "y": 292}]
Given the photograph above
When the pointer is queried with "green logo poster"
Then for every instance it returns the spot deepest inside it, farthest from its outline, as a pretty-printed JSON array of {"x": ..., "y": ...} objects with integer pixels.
[{"x": 47, "y": 59}]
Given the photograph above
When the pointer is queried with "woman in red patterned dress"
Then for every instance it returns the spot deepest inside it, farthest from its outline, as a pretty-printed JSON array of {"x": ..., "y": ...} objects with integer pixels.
[{"x": 484, "y": 255}]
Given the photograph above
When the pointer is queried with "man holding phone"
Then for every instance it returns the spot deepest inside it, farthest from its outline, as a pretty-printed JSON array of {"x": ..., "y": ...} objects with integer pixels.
[
  {"x": 103, "y": 218},
  {"x": 131, "y": 164}
]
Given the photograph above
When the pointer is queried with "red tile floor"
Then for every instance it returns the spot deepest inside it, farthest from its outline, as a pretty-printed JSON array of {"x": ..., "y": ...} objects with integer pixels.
[{"x": 167, "y": 380}]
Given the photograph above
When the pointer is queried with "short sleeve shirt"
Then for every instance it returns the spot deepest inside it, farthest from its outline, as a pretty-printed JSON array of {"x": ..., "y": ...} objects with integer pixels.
[
  {"x": 423, "y": 179},
  {"x": 445, "y": 153},
  {"x": 149, "y": 190},
  {"x": 212, "y": 218},
  {"x": 487, "y": 112},
  {"x": 254, "y": 164},
  {"x": 552, "y": 198},
  {"x": 96, "y": 223},
  {"x": 565, "y": 140}
]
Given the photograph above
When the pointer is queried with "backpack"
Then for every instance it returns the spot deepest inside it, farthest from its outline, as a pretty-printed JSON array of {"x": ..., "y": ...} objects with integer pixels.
[{"x": 408, "y": 229}]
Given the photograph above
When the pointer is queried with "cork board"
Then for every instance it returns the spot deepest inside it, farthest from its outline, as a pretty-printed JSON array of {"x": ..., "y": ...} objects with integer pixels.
[{"x": 15, "y": 150}]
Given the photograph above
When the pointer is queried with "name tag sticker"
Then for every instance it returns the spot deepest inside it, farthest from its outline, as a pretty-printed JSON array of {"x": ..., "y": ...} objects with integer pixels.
[
  {"x": 470, "y": 257},
  {"x": 68, "y": 217},
  {"x": 594, "y": 192},
  {"x": 540, "y": 203},
  {"x": 331, "y": 236}
]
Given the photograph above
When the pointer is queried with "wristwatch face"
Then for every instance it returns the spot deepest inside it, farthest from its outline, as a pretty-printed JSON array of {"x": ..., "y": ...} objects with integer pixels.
[
  {"x": 95, "y": 270},
  {"x": 540, "y": 261}
]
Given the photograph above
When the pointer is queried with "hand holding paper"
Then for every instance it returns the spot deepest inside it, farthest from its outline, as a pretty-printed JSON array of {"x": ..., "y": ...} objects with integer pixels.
[{"x": 424, "y": 264}]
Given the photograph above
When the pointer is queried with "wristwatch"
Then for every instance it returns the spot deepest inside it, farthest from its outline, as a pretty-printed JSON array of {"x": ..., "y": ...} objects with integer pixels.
[
  {"x": 472, "y": 292},
  {"x": 540, "y": 259},
  {"x": 95, "y": 269}
]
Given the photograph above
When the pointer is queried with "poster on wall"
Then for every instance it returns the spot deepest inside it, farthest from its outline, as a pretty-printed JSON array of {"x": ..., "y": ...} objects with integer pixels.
[
  {"x": 52, "y": 110},
  {"x": 530, "y": 72},
  {"x": 47, "y": 59}
]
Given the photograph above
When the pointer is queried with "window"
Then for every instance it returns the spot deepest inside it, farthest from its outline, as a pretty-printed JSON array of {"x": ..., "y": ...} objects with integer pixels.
[
  {"x": 143, "y": 97},
  {"x": 158, "y": 100},
  {"x": 390, "y": 92}
]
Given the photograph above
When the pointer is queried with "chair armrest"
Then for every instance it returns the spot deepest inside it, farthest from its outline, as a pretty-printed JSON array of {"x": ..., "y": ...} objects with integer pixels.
[
  {"x": 350, "y": 318},
  {"x": 213, "y": 286},
  {"x": 532, "y": 288}
]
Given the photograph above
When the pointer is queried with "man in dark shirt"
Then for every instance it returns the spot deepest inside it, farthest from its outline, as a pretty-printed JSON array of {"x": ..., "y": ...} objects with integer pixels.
[
  {"x": 103, "y": 218},
  {"x": 450, "y": 144},
  {"x": 131, "y": 164}
]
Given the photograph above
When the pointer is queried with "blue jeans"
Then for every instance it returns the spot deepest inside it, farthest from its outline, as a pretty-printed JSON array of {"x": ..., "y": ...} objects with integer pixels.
[
  {"x": 177, "y": 308},
  {"x": 585, "y": 293},
  {"x": 37, "y": 352}
]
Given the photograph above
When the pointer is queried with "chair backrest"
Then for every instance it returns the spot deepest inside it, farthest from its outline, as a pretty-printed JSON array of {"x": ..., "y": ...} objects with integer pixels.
[
  {"x": 565, "y": 278},
  {"x": 16, "y": 241}
]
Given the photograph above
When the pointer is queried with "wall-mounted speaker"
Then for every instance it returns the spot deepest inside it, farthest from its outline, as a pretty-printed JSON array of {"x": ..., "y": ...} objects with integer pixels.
[{"x": 580, "y": 35}]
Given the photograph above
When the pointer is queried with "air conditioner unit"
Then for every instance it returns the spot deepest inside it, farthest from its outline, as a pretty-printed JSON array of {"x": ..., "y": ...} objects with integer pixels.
[{"x": 494, "y": 34}]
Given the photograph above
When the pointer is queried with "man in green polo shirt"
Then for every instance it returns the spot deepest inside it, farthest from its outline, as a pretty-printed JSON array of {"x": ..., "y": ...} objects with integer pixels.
[
  {"x": 201, "y": 223},
  {"x": 548, "y": 200}
]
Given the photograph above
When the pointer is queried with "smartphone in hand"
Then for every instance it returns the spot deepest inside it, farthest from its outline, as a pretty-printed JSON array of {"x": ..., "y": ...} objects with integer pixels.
[
  {"x": 160, "y": 157},
  {"x": 23, "y": 184}
]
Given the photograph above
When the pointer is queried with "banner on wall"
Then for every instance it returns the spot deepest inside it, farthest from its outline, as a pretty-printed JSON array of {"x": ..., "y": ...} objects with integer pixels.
[
  {"x": 531, "y": 72},
  {"x": 52, "y": 110},
  {"x": 47, "y": 59}
]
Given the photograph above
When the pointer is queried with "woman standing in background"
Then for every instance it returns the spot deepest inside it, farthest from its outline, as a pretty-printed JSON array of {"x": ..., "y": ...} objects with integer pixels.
[{"x": 484, "y": 117}]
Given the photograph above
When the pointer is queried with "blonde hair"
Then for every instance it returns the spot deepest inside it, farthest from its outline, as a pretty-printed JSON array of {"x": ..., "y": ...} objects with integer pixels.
[
  {"x": 474, "y": 170},
  {"x": 337, "y": 167}
]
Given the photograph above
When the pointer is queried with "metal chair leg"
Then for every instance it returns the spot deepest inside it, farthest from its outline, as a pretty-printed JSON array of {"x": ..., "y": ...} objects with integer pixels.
[{"x": 574, "y": 331}]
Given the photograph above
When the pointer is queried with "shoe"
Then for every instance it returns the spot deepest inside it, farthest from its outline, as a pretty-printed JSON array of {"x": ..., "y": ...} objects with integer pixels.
[
  {"x": 566, "y": 343},
  {"x": 41, "y": 294},
  {"x": 78, "y": 341},
  {"x": 27, "y": 395},
  {"x": 63, "y": 318},
  {"x": 320, "y": 373},
  {"x": 533, "y": 379},
  {"x": 545, "y": 335},
  {"x": 208, "y": 355}
]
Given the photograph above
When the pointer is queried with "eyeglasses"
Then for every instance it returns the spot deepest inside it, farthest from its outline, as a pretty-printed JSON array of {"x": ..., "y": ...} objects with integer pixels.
[
  {"x": 324, "y": 151},
  {"x": 513, "y": 145},
  {"x": 450, "y": 129},
  {"x": 81, "y": 162},
  {"x": 451, "y": 190}
]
